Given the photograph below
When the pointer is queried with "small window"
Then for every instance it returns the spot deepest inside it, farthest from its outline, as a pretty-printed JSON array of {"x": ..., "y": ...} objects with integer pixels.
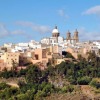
[{"x": 36, "y": 57}]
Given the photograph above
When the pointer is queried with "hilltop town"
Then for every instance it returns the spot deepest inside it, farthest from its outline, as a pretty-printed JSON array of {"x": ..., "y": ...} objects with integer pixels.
[
  {"x": 50, "y": 50},
  {"x": 47, "y": 49},
  {"x": 56, "y": 67}
]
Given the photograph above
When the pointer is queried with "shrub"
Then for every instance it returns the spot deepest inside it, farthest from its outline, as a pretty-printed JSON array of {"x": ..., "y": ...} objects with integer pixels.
[
  {"x": 84, "y": 80},
  {"x": 22, "y": 97},
  {"x": 3, "y": 86},
  {"x": 39, "y": 95},
  {"x": 95, "y": 83},
  {"x": 68, "y": 88},
  {"x": 64, "y": 89}
]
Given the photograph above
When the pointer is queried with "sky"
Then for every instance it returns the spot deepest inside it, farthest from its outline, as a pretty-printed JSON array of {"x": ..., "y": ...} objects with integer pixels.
[{"x": 25, "y": 20}]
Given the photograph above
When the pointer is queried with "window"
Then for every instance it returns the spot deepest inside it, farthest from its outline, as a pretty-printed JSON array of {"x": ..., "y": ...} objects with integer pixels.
[{"x": 36, "y": 57}]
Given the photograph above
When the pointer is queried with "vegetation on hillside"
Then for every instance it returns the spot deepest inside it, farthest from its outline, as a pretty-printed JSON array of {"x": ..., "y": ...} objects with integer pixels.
[{"x": 62, "y": 78}]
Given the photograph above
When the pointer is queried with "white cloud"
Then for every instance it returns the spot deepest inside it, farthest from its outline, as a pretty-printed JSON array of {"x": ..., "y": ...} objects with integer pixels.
[
  {"x": 62, "y": 13},
  {"x": 93, "y": 10},
  {"x": 24, "y": 23},
  {"x": 86, "y": 35},
  {"x": 18, "y": 32},
  {"x": 4, "y": 32},
  {"x": 35, "y": 27}
]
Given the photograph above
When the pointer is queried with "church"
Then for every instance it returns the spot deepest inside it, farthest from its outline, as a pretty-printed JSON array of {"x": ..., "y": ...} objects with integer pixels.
[
  {"x": 73, "y": 39},
  {"x": 57, "y": 39}
]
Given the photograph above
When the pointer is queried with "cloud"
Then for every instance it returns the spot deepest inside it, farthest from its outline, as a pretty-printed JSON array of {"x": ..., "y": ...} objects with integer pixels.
[
  {"x": 35, "y": 27},
  {"x": 4, "y": 32},
  {"x": 85, "y": 35},
  {"x": 24, "y": 23},
  {"x": 62, "y": 13},
  {"x": 18, "y": 32},
  {"x": 92, "y": 10}
]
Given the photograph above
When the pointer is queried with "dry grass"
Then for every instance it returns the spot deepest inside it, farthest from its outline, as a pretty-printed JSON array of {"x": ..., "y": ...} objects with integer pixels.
[{"x": 67, "y": 96}]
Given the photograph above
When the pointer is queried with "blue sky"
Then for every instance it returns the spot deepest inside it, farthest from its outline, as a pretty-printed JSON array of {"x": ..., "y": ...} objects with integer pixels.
[{"x": 25, "y": 20}]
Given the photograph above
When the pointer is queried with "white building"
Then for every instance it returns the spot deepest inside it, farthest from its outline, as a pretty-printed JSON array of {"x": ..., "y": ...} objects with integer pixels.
[{"x": 55, "y": 39}]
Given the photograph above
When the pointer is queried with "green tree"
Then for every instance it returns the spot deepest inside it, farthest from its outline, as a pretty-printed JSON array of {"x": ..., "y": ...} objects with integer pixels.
[{"x": 33, "y": 74}]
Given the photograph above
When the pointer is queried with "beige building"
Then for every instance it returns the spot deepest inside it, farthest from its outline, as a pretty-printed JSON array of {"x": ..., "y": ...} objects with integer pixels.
[
  {"x": 77, "y": 51},
  {"x": 44, "y": 55},
  {"x": 10, "y": 58},
  {"x": 2, "y": 65},
  {"x": 41, "y": 55},
  {"x": 57, "y": 49}
]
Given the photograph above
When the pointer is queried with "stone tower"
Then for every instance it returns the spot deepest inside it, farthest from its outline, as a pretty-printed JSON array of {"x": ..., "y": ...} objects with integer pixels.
[
  {"x": 75, "y": 37},
  {"x": 68, "y": 37}
]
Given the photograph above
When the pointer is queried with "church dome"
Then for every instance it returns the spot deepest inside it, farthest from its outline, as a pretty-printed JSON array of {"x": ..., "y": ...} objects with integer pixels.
[{"x": 55, "y": 30}]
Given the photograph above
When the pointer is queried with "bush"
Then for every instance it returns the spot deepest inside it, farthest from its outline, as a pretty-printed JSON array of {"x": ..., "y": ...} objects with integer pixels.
[
  {"x": 3, "y": 86},
  {"x": 95, "y": 83},
  {"x": 41, "y": 86},
  {"x": 64, "y": 89},
  {"x": 48, "y": 89},
  {"x": 8, "y": 93},
  {"x": 22, "y": 97},
  {"x": 84, "y": 80},
  {"x": 31, "y": 93},
  {"x": 72, "y": 80},
  {"x": 68, "y": 88},
  {"x": 21, "y": 83}
]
